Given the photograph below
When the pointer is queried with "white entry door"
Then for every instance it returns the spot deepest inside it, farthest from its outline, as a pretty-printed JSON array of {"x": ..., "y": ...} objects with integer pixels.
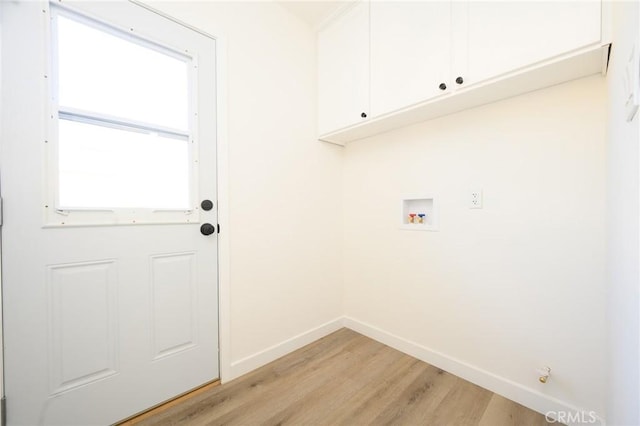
[{"x": 109, "y": 249}]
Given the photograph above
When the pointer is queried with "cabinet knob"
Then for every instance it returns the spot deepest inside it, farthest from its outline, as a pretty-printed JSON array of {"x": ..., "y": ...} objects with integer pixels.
[
  {"x": 363, "y": 115},
  {"x": 459, "y": 80},
  {"x": 443, "y": 86}
]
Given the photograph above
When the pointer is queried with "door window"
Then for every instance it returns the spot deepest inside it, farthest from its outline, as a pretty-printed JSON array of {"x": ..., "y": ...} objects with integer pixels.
[{"x": 123, "y": 148}]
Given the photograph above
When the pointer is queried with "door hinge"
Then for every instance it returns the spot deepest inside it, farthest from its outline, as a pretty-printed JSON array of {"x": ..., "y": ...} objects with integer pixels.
[
  {"x": 1, "y": 217},
  {"x": 3, "y": 407}
]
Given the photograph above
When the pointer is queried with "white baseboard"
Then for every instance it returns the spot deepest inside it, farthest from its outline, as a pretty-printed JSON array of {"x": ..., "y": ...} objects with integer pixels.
[
  {"x": 250, "y": 363},
  {"x": 514, "y": 391}
]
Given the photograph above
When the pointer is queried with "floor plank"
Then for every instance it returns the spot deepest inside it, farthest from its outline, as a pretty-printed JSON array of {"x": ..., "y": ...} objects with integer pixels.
[
  {"x": 502, "y": 411},
  {"x": 347, "y": 379}
]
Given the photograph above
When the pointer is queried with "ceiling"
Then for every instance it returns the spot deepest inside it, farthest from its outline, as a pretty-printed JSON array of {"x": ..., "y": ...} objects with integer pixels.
[{"x": 314, "y": 12}]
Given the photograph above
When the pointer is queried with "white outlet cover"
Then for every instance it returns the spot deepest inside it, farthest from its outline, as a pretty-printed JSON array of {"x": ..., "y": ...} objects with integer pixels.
[{"x": 475, "y": 199}]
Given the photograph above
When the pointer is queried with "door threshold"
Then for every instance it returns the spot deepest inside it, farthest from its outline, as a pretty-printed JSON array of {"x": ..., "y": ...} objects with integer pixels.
[{"x": 157, "y": 409}]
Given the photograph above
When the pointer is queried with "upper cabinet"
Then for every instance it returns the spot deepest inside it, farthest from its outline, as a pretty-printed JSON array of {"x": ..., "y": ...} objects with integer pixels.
[
  {"x": 386, "y": 64},
  {"x": 494, "y": 38},
  {"x": 410, "y": 53},
  {"x": 343, "y": 70}
]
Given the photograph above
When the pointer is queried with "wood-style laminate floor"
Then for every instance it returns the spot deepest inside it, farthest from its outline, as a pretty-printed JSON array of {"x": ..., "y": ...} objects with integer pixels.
[{"x": 347, "y": 379}]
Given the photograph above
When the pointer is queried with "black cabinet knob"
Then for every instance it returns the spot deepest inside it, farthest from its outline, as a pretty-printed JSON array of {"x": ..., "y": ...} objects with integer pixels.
[
  {"x": 459, "y": 80},
  {"x": 363, "y": 115},
  {"x": 443, "y": 86},
  {"x": 207, "y": 229}
]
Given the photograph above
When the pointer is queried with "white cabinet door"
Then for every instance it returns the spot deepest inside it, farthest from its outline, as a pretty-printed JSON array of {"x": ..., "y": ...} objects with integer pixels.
[
  {"x": 503, "y": 36},
  {"x": 343, "y": 70},
  {"x": 410, "y": 53}
]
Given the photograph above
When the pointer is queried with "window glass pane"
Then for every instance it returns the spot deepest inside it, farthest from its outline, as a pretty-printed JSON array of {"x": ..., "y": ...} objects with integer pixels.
[
  {"x": 102, "y": 167},
  {"x": 106, "y": 74}
]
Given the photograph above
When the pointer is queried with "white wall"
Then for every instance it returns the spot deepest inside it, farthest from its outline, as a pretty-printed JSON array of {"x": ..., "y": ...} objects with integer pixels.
[
  {"x": 284, "y": 227},
  {"x": 501, "y": 291},
  {"x": 623, "y": 189},
  {"x": 1, "y": 328}
]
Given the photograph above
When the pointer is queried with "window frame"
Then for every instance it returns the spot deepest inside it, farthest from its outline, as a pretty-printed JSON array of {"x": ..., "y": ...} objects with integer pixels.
[{"x": 55, "y": 216}]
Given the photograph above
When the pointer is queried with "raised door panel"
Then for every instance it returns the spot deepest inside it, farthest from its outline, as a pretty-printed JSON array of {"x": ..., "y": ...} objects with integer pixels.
[
  {"x": 343, "y": 70},
  {"x": 410, "y": 53},
  {"x": 501, "y": 37}
]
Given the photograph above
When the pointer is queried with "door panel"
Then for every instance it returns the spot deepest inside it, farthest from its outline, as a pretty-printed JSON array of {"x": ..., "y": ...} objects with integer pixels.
[
  {"x": 83, "y": 351},
  {"x": 174, "y": 298},
  {"x": 103, "y": 317}
]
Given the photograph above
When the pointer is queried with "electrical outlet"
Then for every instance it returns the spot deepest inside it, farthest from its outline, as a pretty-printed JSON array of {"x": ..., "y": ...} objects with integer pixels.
[{"x": 475, "y": 199}]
